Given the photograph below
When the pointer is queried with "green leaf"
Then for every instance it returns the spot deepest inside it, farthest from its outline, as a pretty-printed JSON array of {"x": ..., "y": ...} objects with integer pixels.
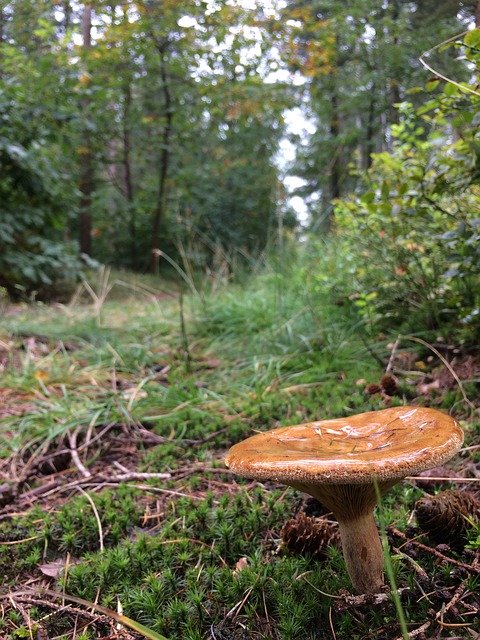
[
  {"x": 472, "y": 39},
  {"x": 450, "y": 89},
  {"x": 432, "y": 84}
]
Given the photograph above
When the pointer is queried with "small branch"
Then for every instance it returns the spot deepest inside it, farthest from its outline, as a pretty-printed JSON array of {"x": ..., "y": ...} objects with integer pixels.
[
  {"x": 399, "y": 534},
  {"x": 391, "y": 360},
  {"x": 368, "y": 599},
  {"x": 416, "y": 632},
  {"x": 137, "y": 475},
  {"x": 72, "y": 440},
  {"x": 422, "y": 574}
]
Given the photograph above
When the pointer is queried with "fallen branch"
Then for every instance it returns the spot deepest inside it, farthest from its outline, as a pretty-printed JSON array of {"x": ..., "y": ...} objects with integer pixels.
[
  {"x": 368, "y": 599},
  {"x": 399, "y": 534},
  {"x": 416, "y": 632}
]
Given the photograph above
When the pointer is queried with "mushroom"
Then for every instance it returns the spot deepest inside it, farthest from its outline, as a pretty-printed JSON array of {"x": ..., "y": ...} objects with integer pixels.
[{"x": 340, "y": 461}]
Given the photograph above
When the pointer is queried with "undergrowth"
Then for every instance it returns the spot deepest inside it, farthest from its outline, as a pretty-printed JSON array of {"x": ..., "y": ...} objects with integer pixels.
[{"x": 197, "y": 555}]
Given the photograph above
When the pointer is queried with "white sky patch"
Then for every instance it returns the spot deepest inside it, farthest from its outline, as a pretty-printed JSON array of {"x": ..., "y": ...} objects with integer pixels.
[
  {"x": 301, "y": 209},
  {"x": 187, "y": 22},
  {"x": 297, "y": 123}
]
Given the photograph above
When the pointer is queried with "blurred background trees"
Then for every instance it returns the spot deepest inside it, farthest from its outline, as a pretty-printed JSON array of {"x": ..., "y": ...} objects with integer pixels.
[{"x": 128, "y": 126}]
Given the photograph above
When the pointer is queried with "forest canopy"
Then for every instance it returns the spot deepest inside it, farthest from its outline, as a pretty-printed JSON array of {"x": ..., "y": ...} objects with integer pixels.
[{"x": 128, "y": 128}]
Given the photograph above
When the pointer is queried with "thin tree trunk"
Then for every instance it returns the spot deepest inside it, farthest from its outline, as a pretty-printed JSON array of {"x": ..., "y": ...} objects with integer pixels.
[
  {"x": 127, "y": 173},
  {"x": 67, "y": 15},
  {"x": 3, "y": 29},
  {"x": 334, "y": 170},
  {"x": 86, "y": 171},
  {"x": 2, "y": 25},
  {"x": 159, "y": 212},
  {"x": 334, "y": 133},
  {"x": 395, "y": 96},
  {"x": 477, "y": 15},
  {"x": 370, "y": 129}
]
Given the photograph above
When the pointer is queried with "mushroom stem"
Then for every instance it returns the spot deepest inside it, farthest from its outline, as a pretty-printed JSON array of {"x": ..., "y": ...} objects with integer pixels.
[{"x": 363, "y": 552}]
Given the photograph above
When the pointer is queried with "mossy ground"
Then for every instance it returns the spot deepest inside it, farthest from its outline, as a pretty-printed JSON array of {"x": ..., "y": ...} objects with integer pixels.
[{"x": 169, "y": 400}]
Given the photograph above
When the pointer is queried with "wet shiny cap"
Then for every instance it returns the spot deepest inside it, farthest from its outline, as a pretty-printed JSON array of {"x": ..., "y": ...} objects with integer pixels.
[{"x": 386, "y": 445}]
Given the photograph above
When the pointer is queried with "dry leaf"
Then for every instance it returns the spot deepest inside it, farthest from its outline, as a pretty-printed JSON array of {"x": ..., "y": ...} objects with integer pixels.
[
  {"x": 426, "y": 388},
  {"x": 52, "y": 569},
  {"x": 240, "y": 565}
]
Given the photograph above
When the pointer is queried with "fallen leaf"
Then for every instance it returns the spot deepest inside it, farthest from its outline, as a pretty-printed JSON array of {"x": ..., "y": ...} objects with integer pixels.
[
  {"x": 428, "y": 387},
  {"x": 52, "y": 569},
  {"x": 240, "y": 565}
]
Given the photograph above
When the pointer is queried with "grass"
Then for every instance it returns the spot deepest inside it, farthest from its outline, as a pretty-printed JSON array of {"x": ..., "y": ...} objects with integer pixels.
[{"x": 274, "y": 351}]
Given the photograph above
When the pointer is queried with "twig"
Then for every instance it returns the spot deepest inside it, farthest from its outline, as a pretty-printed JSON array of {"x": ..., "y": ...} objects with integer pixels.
[
  {"x": 417, "y": 632},
  {"x": 137, "y": 475},
  {"x": 437, "y": 73},
  {"x": 13, "y": 542},
  {"x": 235, "y": 609},
  {"x": 391, "y": 360},
  {"x": 399, "y": 534},
  {"x": 72, "y": 440},
  {"x": 334, "y": 635},
  {"x": 369, "y": 599},
  {"x": 57, "y": 608},
  {"x": 422, "y": 574},
  {"x": 457, "y": 596}
]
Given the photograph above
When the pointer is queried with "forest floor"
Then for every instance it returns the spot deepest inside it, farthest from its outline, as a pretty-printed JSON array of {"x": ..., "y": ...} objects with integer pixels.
[{"x": 115, "y": 418}]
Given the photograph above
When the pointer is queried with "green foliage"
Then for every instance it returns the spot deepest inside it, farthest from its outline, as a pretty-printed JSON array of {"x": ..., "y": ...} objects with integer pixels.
[
  {"x": 358, "y": 60},
  {"x": 175, "y": 571},
  {"x": 33, "y": 256},
  {"x": 416, "y": 225}
]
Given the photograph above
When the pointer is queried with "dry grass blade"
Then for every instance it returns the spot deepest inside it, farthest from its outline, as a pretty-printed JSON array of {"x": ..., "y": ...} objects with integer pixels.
[
  {"x": 97, "y": 518},
  {"x": 123, "y": 620}
]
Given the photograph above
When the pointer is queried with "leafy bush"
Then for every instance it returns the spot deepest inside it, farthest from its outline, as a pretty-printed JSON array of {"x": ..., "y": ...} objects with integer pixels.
[
  {"x": 33, "y": 257},
  {"x": 415, "y": 229}
]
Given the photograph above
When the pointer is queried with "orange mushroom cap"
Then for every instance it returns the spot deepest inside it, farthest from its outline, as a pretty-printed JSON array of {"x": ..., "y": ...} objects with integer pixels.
[{"x": 385, "y": 445}]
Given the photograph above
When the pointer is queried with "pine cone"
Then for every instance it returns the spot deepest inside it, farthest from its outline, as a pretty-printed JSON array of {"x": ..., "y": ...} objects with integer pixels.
[
  {"x": 389, "y": 384},
  {"x": 305, "y": 535},
  {"x": 372, "y": 389},
  {"x": 445, "y": 517}
]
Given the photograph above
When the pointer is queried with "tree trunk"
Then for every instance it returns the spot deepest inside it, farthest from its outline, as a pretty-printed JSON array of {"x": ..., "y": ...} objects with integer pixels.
[
  {"x": 394, "y": 88},
  {"x": 477, "y": 15},
  {"x": 159, "y": 211},
  {"x": 335, "y": 162},
  {"x": 86, "y": 170},
  {"x": 67, "y": 15},
  {"x": 127, "y": 172},
  {"x": 370, "y": 130},
  {"x": 2, "y": 25}
]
